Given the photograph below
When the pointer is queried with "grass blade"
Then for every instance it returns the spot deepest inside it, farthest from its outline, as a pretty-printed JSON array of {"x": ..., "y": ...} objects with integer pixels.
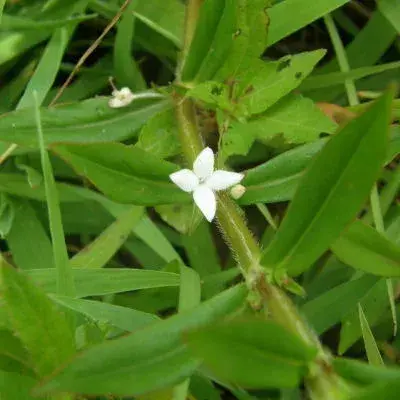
[{"x": 65, "y": 280}]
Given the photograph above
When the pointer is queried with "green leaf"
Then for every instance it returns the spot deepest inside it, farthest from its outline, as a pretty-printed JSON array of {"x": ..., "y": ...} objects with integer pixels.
[
  {"x": 60, "y": 255},
  {"x": 373, "y": 354},
  {"x": 384, "y": 390},
  {"x": 28, "y": 240},
  {"x": 124, "y": 173},
  {"x": 65, "y": 284},
  {"x": 254, "y": 354},
  {"x": 49, "y": 64},
  {"x": 339, "y": 301},
  {"x": 160, "y": 135},
  {"x": 189, "y": 290},
  {"x": 295, "y": 118},
  {"x": 94, "y": 282},
  {"x": 121, "y": 317},
  {"x": 363, "y": 248},
  {"x": 43, "y": 330},
  {"x": 149, "y": 359},
  {"x": 12, "y": 347},
  {"x": 391, "y": 10},
  {"x": 185, "y": 218},
  {"x": 277, "y": 179},
  {"x": 7, "y": 215},
  {"x": 89, "y": 121},
  {"x": 220, "y": 45},
  {"x": 249, "y": 39},
  {"x": 340, "y": 178},
  {"x": 320, "y": 81},
  {"x": 126, "y": 69},
  {"x": 262, "y": 84},
  {"x": 291, "y": 15},
  {"x": 102, "y": 249},
  {"x": 211, "y": 13},
  {"x": 201, "y": 250},
  {"x": 362, "y": 373},
  {"x": 18, "y": 185},
  {"x": 14, "y": 386},
  {"x": 375, "y": 302}
]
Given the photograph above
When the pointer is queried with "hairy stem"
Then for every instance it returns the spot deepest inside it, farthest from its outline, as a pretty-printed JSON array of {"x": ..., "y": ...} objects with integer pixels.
[{"x": 322, "y": 382}]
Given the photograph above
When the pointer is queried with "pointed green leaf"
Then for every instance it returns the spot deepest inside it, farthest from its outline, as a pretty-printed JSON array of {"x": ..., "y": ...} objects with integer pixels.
[
  {"x": 363, "y": 373},
  {"x": 291, "y": 15},
  {"x": 89, "y": 121},
  {"x": 339, "y": 301},
  {"x": 211, "y": 13},
  {"x": 375, "y": 304},
  {"x": 363, "y": 248},
  {"x": 160, "y": 135},
  {"x": 94, "y": 282},
  {"x": 262, "y": 84},
  {"x": 102, "y": 249},
  {"x": 340, "y": 178},
  {"x": 295, "y": 118},
  {"x": 124, "y": 173},
  {"x": 44, "y": 331},
  {"x": 147, "y": 360},
  {"x": 249, "y": 39},
  {"x": 252, "y": 354},
  {"x": 121, "y": 317},
  {"x": 371, "y": 348},
  {"x": 277, "y": 179}
]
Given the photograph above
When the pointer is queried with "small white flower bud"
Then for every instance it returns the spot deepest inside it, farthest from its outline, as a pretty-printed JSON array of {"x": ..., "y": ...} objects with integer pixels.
[
  {"x": 121, "y": 98},
  {"x": 237, "y": 191}
]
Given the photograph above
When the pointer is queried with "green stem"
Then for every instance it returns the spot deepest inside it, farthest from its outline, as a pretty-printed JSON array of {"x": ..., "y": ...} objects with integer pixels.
[
  {"x": 326, "y": 385},
  {"x": 342, "y": 59},
  {"x": 236, "y": 233}
]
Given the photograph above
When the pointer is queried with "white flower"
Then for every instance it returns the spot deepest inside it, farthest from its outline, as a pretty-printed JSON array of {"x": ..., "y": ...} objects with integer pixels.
[
  {"x": 203, "y": 181},
  {"x": 121, "y": 98}
]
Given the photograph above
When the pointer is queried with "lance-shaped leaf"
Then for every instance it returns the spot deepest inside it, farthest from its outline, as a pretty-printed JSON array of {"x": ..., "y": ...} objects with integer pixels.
[
  {"x": 41, "y": 327},
  {"x": 262, "y": 84},
  {"x": 254, "y": 354},
  {"x": 89, "y": 121},
  {"x": 149, "y": 359},
  {"x": 94, "y": 282},
  {"x": 362, "y": 247},
  {"x": 124, "y": 173},
  {"x": 332, "y": 191}
]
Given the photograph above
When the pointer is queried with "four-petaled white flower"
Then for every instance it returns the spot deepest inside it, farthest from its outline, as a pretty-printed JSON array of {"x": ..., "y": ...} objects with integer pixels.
[
  {"x": 203, "y": 181},
  {"x": 121, "y": 98}
]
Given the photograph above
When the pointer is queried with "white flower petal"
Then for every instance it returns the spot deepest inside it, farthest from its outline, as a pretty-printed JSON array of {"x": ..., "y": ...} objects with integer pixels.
[
  {"x": 203, "y": 166},
  {"x": 220, "y": 180},
  {"x": 185, "y": 179},
  {"x": 205, "y": 199}
]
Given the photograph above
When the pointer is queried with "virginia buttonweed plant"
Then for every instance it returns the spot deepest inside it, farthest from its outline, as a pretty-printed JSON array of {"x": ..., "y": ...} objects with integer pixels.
[{"x": 198, "y": 199}]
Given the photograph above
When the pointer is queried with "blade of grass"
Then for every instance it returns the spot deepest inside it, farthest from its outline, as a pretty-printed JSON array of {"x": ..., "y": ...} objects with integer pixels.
[
  {"x": 126, "y": 70},
  {"x": 65, "y": 280},
  {"x": 371, "y": 348},
  {"x": 342, "y": 59},
  {"x": 321, "y": 81},
  {"x": 101, "y": 250}
]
